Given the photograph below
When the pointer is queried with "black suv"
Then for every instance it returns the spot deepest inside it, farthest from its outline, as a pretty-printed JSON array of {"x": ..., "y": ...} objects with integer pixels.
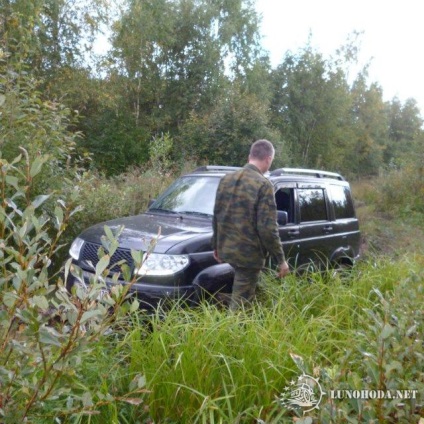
[{"x": 316, "y": 219}]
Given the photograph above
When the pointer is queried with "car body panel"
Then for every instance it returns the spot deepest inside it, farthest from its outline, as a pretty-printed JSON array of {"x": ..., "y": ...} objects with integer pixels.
[{"x": 139, "y": 231}]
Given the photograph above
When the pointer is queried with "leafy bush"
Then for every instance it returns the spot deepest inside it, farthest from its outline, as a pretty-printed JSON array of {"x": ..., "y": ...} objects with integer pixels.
[
  {"x": 40, "y": 126},
  {"x": 397, "y": 191},
  {"x": 159, "y": 152},
  {"x": 101, "y": 199},
  {"x": 402, "y": 190},
  {"x": 388, "y": 356},
  {"x": 46, "y": 333},
  {"x": 390, "y": 209}
]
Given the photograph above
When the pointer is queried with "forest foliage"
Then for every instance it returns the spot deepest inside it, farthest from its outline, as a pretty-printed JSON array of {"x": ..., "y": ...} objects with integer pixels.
[{"x": 195, "y": 71}]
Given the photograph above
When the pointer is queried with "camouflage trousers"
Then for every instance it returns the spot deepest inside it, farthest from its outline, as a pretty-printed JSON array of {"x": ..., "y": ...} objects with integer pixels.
[{"x": 244, "y": 286}]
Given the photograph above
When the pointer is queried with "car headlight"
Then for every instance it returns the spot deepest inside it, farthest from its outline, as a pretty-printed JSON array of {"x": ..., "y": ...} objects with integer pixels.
[
  {"x": 161, "y": 264},
  {"x": 75, "y": 249}
]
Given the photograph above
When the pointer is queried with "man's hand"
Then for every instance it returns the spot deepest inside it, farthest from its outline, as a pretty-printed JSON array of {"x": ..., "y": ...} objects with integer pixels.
[{"x": 283, "y": 269}]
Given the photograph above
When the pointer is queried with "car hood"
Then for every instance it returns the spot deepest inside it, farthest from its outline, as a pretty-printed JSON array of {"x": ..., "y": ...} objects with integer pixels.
[{"x": 142, "y": 231}]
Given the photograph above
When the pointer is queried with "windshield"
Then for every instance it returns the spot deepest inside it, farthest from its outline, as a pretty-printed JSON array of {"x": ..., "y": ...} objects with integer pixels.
[{"x": 191, "y": 194}]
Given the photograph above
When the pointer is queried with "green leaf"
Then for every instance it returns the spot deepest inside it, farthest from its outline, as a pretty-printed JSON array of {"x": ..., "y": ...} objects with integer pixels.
[
  {"x": 137, "y": 255},
  {"x": 109, "y": 233},
  {"x": 22, "y": 231},
  {"x": 36, "y": 166},
  {"x": 16, "y": 160},
  {"x": 77, "y": 209},
  {"x": 141, "y": 381},
  {"x": 13, "y": 181},
  {"x": 58, "y": 212},
  {"x": 2, "y": 99},
  {"x": 298, "y": 360},
  {"x": 368, "y": 354},
  {"x": 90, "y": 314},
  {"x": 135, "y": 306},
  {"x": 87, "y": 400},
  {"x": 102, "y": 265},
  {"x": 41, "y": 302},
  {"x": 61, "y": 203},
  {"x": 39, "y": 200},
  {"x": 392, "y": 366},
  {"x": 71, "y": 316},
  {"x": 387, "y": 331},
  {"x": 12, "y": 205},
  {"x": 411, "y": 330},
  {"x": 49, "y": 336},
  {"x": 67, "y": 268},
  {"x": 126, "y": 271},
  {"x": 304, "y": 420},
  {"x": 9, "y": 299}
]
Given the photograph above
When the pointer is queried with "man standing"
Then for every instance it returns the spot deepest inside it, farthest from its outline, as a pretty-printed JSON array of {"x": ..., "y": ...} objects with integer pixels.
[{"x": 245, "y": 223}]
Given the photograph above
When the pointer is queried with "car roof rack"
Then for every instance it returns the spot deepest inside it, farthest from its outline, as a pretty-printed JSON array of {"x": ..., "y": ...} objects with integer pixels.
[
  {"x": 217, "y": 168},
  {"x": 312, "y": 172}
]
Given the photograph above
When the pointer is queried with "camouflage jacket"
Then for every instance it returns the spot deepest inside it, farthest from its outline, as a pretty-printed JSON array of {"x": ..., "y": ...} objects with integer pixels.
[{"x": 245, "y": 222}]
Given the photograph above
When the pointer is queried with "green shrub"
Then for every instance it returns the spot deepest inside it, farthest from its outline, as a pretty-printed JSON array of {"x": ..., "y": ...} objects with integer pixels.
[
  {"x": 101, "y": 199},
  {"x": 390, "y": 210},
  {"x": 402, "y": 190},
  {"x": 387, "y": 355},
  {"x": 37, "y": 124},
  {"x": 47, "y": 333}
]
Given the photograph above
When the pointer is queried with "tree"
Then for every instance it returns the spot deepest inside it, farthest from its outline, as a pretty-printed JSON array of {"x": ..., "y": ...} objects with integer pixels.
[
  {"x": 310, "y": 108},
  {"x": 176, "y": 54},
  {"x": 53, "y": 33},
  {"x": 371, "y": 127},
  {"x": 405, "y": 130},
  {"x": 38, "y": 125},
  {"x": 224, "y": 135}
]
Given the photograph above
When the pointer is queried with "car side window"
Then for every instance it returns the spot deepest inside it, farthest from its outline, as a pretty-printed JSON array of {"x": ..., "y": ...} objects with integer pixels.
[
  {"x": 341, "y": 199},
  {"x": 284, "y": 202},
  {"x": 312, "y": 204}
]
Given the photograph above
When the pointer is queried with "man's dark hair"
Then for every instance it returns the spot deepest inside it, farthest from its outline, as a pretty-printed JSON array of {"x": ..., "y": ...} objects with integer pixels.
[{"x": 261, "y": 149}]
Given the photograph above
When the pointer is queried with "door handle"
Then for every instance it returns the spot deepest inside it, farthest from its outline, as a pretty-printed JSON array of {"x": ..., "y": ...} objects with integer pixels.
[
  {"x": 293, "y": 233},
  {"x": 328, "y": 228}
]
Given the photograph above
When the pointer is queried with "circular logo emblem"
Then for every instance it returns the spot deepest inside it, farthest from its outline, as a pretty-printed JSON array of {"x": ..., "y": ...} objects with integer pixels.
[{"x": 305, "y": 394}]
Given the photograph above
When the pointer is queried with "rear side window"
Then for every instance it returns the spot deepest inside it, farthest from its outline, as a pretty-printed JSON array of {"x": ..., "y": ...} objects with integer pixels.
[
  {"x": 284, "y": 202},
  {"x": 312, "y": 205},
  {"x": 341, "y": 199}
]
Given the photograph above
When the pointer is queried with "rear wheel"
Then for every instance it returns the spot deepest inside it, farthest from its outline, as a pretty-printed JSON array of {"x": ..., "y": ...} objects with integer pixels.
[{"x": 341, "y": 270}]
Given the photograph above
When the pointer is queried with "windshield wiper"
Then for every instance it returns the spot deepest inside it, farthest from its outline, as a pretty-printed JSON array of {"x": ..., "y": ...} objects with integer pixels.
[
  {"x": 208, "y": 215},
  {"x": 164, "y": 211}
]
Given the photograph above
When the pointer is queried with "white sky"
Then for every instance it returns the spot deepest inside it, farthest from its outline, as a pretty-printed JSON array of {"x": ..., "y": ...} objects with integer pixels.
[{"x": 392, "y": 38}]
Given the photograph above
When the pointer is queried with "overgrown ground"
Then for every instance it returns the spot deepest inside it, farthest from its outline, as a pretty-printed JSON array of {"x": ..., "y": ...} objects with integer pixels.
[
  {"x": 210, "y": 366},
  {"x": 65, "y": 359},
  {"x": 363, "y": 331},
  {"x": 387, "y": 229}
]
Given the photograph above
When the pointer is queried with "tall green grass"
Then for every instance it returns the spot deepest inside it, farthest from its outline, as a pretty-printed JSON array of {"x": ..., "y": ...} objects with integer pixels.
[{"x": 209, "y": 365}]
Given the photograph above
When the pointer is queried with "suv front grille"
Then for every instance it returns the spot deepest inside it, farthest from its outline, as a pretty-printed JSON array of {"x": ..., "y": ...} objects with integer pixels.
[{"x": 89, "y": 254}]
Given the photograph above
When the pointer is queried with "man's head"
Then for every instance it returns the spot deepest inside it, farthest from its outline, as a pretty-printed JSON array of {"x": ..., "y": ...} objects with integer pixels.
[{"x": 262, "y": 154}]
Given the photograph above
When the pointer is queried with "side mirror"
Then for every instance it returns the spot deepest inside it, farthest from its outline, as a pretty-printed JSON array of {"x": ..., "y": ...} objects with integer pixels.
[{"x": 282, "y": 217}]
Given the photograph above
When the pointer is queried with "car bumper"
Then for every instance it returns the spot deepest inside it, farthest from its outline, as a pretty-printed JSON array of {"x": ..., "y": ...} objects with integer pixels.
[{"x": 149, "y": 295}]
